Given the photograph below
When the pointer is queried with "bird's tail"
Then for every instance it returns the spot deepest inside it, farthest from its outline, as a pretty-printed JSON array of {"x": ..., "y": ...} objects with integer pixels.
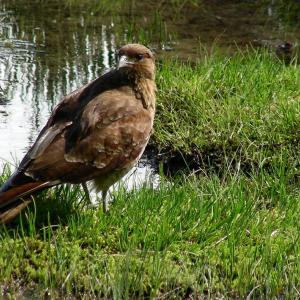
[{"x": 14, "y": 197}]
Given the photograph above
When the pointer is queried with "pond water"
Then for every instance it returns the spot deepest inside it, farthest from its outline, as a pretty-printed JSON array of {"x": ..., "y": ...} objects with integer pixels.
[{"x": 49, "y": 48}]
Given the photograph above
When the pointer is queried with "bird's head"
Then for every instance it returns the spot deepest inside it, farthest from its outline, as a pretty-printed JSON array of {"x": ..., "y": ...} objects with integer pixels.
[{"x": 138, "y": 58}]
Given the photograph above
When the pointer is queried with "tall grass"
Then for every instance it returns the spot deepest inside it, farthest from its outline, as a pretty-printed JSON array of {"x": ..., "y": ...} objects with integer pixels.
[
  {"x": 195, "y": 238},
  {"x": 121, "y": 6},
  {"x": 244, "y": 108}
]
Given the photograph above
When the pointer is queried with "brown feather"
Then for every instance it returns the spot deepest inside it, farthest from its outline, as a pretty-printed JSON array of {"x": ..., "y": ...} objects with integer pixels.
[
  {"x": 11, "y": 202},
  {"x": 9, "y": 214},
  {"x": 21, "y": 191}
]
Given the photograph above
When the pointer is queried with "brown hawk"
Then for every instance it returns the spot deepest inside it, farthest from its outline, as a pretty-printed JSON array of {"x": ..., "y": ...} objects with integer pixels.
[{"x": 97, "y": 132}]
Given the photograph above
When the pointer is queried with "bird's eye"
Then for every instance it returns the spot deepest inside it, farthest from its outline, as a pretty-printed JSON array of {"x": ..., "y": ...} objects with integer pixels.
[{"x": 140, "y": 56}]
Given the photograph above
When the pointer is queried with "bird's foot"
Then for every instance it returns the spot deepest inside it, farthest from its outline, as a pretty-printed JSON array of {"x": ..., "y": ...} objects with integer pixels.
[
  {"x": 104, "y": 206},
  {"x": 104, "y": 202},
  {"x": 87, "y": 200}
]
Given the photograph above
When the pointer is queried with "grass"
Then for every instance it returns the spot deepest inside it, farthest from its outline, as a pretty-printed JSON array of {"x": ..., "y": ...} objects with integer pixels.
[
  {"x": 204, "y": 238},
  {"x": 244, "y": 108},
  {"x": 230, "y": 233},
  {"x": 121, "y": 6}
]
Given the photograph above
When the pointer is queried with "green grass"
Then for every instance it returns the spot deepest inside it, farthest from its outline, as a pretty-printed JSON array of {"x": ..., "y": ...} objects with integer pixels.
[
  {"x": 229, "y": 233},
  {"x": 244, "y": 108},
  {"x": 123, "y": 6},
  {"x": 203, "y": 237}
]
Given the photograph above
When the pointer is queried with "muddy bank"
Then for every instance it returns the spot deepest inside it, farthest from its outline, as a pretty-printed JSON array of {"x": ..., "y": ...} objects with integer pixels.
[{"x": 220, "y": 161}]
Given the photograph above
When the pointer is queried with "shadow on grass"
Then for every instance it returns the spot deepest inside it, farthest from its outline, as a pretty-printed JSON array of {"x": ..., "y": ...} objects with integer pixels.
[{"x": 49, "y": 207}]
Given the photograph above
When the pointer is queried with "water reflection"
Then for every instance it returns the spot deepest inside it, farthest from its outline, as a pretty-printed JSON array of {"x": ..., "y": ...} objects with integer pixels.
[{"x": 35, "y": 75}]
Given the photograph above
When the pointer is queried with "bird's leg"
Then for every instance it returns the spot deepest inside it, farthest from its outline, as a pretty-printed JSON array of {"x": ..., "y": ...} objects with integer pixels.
[
  {"x": 87, "y": 193},
  {"x": 104, "y": 201}
]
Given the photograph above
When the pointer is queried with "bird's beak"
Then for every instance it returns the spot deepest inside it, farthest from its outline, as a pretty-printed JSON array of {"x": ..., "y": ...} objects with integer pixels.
[{"x": 125, "y": 61}]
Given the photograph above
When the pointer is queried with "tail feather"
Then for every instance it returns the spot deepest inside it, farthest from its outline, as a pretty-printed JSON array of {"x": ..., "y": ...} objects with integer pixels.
[
  {"x": 10, "y": 213},
  {"x": 17, "y": 179},
  {"x": 15, "y": 198},
  {"x": 17, "y": 192}
]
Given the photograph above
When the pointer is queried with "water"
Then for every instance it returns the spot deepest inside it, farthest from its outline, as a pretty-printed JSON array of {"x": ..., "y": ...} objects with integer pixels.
[{"x": 48, "y": 50}]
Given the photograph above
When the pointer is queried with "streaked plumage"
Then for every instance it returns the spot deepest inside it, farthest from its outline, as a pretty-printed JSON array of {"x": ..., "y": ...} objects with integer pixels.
[{"x": 98, "y": 133}]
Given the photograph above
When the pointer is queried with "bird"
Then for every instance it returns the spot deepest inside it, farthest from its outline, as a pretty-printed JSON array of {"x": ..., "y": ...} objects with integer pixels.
[
  {"x": 96, "y": 133},
  {"x": 285, "y": 52}
]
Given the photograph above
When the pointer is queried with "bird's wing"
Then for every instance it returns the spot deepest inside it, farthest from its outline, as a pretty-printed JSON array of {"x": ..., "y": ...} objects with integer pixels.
[
  {"x": 111, "y": 133},
  {"x": 69, "y": 111}
]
